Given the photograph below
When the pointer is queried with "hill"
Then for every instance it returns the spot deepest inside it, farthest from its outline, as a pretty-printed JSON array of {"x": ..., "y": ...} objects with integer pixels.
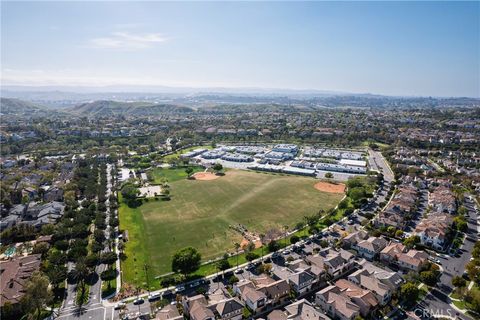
[
  {"x": 109, "y": 107},
  {"x": 19, "y": 107}
]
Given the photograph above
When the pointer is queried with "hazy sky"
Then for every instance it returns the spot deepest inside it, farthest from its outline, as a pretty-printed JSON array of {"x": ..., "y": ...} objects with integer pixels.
[{"x": 405, "y": 48}]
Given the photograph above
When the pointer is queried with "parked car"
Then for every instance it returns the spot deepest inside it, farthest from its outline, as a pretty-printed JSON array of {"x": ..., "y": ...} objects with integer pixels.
[
  {"x": 138, "y": 301},
  {"x": 179, "y": 289},
  {"x": 120, "y": 305},
  {"x": 154, "y": 296},
  {"x": 238, "y": 271}
]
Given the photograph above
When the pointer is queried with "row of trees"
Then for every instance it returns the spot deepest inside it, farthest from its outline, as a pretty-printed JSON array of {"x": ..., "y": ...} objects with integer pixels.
[{"x": 69, "y": 243}]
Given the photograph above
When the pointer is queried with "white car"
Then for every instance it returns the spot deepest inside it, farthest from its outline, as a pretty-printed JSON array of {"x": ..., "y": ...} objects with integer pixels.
[
  {"x": 179, "y": 289},
  {"x": 153, "y": 296},
  {"x": 120, "y": 305}
]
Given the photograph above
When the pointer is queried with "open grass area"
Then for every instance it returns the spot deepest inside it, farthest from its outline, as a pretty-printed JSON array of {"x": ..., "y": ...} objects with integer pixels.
[
  {"x": 200, "y": 212},
  {"x": 172, "y": 174}
]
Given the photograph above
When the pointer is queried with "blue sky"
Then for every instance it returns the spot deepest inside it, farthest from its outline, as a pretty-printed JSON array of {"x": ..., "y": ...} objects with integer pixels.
[{"x": 394, "y": 48}]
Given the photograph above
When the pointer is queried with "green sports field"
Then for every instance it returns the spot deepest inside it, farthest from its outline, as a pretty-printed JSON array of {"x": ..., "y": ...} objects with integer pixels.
[{"x": 200, "y": 212}]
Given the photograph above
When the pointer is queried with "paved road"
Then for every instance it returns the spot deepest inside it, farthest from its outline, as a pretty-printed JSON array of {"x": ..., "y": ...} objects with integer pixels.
[{"x": 377, "y": 162}]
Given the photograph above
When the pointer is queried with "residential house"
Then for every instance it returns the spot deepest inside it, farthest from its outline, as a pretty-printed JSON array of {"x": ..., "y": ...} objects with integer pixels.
[
  {"x": 361, "y": 297},
  {"x": 230, "y": 309},
  {"x": 433, "y": 230},
  {"x": 15, "y": 274},
  {"x": 412, "y": 260},
  {"x": 390, "y": 278},
  {"x": 53, "y": 194},
  {"x": 199, "y": 311},
  {"x": 371, "y": 247},
  {"x": 442, "y": 199},
  {"x": 396, "y": 254},
  {"x": 303, "y": 310},
  {"x": 276, "y": 292},
  {"x": 169, "y": 312},
  {"x": 254, "y": 299},
  {"x": 300, "y": 280},
  {"x": 219, "y": 306},
  {"x": 336, "y": 304},
  {"x": 382, "y": 292},
  {"x": 390, "y": 253},
  {"x": 354, "y": 238},
  {"x": 336, "y": 262},
  {"x": 38, "y": 215}
]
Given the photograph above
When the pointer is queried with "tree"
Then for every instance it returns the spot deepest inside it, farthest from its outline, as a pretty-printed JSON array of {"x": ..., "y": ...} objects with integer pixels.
[
  {"x": 459, "y": 282},
  {"x": 79, "y": 274},
  {"x": 108, "y": 257},
  {"x": 473, "y": 270},
  {"x": 294, "y": 239},
  {"x": 460, "y": 223},
  {"x": 273, "y": 246},
  {"x": 92, "y": 260},
  {"x": 56, "y": 257},
  {"x": 329, "y": 175},
  {"x": 232, "y": 280},
  {"x": 429, "y": 277},
  {"x": 223, "y": 263},
  {"x": 476, "y": 250},
  {"x": 129, "y": 194},
  {"x": 411, "y": 241},
  {"x": 37, "y": 295},
  {"x": 41, "y": 248},
  {"x": 57, "y": 275},
  {"x": 108, "y": 275},
  {"x": 473, "y": 296},
  {"x": 262, "y": 239},
  {"x": 217, "y": 167},
  {"x": 250, "y": 256},
  {"x": 189, "y": 171},
  {"x": 409, "y": 291},
  {"x": 186, "y": 261},
  {"x": 237, "y": 246}
]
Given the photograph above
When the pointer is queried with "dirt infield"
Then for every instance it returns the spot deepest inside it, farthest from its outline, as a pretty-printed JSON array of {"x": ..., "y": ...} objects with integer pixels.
[
  {"x": 330, "y": 187},
  {"x": 205, "y": 176}
]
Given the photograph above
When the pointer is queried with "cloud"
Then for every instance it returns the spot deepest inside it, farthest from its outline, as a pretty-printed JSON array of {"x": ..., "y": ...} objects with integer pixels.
[{"x": 128, "y": 41}]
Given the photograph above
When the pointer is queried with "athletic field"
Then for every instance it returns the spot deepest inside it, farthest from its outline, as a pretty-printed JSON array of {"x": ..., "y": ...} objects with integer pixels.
[{"x": 200, "y": 212}]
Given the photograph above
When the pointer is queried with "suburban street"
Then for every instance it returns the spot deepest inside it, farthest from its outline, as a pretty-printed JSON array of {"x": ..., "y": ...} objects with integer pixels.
[
  {"x": 94, "y": 308},
  {"x": 377, "y": 162},
  {"x": 437, "y": 303}
]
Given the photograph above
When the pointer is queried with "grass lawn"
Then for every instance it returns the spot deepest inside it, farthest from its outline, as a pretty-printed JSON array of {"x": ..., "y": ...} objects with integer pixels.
[
  {"x": 172, "y": 174},
  {"x": 200, "y": 212}
]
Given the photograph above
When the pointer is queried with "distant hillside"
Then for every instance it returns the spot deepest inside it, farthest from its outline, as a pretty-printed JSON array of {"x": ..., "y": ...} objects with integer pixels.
[
  {"x": 19, "y": 107},
  {"x": 109, "y": 107}
]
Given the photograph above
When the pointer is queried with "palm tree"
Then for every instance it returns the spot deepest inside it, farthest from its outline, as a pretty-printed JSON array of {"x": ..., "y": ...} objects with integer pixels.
[
  {"x": 80, "y": 273},
  {"x": 285, "y": 227},
  {"x": 262, "y": 238},
  {"x": 237, "y": 246}
]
